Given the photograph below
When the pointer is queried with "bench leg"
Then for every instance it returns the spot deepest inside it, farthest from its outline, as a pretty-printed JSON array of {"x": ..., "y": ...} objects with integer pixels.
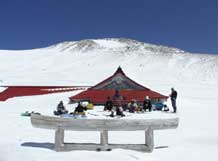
[
  {"x": 104, "y": 138},
  {"x": 149, "y": 139},
  {"x": 59, "y": 139}
]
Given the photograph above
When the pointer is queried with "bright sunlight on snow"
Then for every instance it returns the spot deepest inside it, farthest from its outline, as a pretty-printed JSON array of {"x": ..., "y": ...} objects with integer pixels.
[{"x": 194, "y": 76}]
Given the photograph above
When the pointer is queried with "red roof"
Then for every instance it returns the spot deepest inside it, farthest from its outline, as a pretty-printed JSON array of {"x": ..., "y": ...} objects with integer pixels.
[
  {"x": 15, "y": 91},
  {"x": 100, "y": 96},
  {"x": 128, "y": 89}
]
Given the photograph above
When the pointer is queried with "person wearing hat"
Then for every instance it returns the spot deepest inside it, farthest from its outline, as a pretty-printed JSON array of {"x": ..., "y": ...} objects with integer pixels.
[
  {"x": 173, "y": 97},
  {"x": 147, "y": 104}
]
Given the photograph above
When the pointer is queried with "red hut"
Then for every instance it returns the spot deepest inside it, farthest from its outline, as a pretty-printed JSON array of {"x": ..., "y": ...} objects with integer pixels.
[{"x": 128, "y": 89}]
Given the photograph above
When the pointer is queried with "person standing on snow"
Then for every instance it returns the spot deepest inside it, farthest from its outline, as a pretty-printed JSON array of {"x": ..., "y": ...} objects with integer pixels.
[
  {"x": 117, "y": 104},
  {"x": 173, "y": 97}
]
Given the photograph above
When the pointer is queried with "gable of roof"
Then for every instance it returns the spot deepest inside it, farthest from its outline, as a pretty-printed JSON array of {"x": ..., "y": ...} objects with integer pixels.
[{"x": 118, "y": 81}]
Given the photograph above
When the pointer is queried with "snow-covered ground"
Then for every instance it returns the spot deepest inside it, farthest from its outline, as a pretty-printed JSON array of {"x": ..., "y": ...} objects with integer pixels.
[{"x": 88, "y": 62}]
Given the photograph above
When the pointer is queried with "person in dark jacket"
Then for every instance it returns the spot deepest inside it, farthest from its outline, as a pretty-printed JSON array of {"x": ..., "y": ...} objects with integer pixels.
[
  {"x": 60, "y": 109},
  {"x": 119, "y": 111},
  {"x": 173, "y": 97},
  {"x": 147, "y": 104},
  {"x": 109, "y": 104},
  {"x": 80, "y": 109},
  {"x": 124, "y": 104}
]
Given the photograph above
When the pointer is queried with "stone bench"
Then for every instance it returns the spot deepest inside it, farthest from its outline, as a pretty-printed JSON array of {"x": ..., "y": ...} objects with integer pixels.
[{"x": 60, "y": 124}]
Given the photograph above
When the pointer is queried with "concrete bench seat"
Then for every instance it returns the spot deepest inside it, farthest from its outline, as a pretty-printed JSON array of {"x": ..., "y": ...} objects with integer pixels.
[{"x": 60, "y": 124}]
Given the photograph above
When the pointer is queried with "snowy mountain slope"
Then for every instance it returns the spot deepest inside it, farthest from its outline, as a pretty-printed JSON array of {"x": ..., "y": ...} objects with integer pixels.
[{"x": 103, "y": 56}]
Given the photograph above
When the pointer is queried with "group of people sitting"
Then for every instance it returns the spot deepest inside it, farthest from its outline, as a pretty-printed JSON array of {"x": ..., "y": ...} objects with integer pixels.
[
  {"x": 118, "y": 104},
  {"x": 61, "y": 109},
  {"x": 134, "y": 107}
]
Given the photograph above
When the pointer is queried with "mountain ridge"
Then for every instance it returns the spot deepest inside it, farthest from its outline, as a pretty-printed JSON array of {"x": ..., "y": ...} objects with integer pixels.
[
  {"x": 90, "y": 44},
  {"x": 99, "y": 58},
  {"x": 124, "y": 43}
]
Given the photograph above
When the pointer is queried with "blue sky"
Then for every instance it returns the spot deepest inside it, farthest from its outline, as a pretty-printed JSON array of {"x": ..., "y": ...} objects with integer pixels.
[{"x": 191, "y": 25}]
